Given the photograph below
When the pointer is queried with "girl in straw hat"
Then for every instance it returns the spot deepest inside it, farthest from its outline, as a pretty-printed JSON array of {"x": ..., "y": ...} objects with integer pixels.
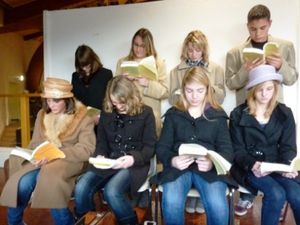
[{"x": 62, "y": 121}]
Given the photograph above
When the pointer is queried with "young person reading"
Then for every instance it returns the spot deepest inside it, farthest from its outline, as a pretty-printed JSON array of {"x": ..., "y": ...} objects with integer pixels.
[
  {"x": 126, "y": 132},
  {"x": 62, "y": 121},
  {"x": 263, "y": 130},
  {"x": 196, "y": 118}
]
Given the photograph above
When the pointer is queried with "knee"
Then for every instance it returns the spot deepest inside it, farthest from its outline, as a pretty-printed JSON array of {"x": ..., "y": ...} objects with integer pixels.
[
  {"x": 111, "y": 193},
  {"x": 278, "y": 196}
]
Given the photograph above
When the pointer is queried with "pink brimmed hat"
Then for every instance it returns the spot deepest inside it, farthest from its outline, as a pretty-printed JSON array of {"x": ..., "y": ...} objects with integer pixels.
[{"x": 262, "y": 74}]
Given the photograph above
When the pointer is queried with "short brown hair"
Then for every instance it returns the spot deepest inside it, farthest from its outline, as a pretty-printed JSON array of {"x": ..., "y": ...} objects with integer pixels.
[
  {"x": 84, "y": 56},
  {"x": 259, "y": 12},
  {"x": 199, "y": 40}
]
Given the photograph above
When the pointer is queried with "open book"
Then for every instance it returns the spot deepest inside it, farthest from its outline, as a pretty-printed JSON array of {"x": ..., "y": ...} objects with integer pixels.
[
  {"x": 279, "y": 167},
  {"x": 195, "y": 150},
  {"x": 251, "y": 54},
  {"x": 102, "y": 163},
  {"x": 45, "y": 150},
  {"x": 92, "y": 111},
  {"x": 145, "y": 68}
]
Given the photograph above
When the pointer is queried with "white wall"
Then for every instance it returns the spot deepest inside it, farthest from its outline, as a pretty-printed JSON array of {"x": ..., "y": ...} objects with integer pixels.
[{"x": 108, "y": 30}]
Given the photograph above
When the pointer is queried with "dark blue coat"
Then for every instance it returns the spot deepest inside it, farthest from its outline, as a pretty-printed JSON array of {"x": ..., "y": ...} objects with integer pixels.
[
  {"x": 93, "y": 93},
  {"x": 179, "y": 127},
  {"x": 277, "y": 140},
  {"x": 123, "y": 134}
]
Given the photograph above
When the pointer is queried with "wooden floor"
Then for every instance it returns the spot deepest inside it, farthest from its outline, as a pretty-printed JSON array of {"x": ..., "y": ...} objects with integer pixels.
[{"x": 42, "y": 216}]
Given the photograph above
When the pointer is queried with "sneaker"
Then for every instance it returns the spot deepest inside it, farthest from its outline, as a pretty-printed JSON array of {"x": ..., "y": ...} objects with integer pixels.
[
  {"x": 190, "y": 205},
  {"x": 242, "y": 207},
  {"x": 199, "y": 206}
]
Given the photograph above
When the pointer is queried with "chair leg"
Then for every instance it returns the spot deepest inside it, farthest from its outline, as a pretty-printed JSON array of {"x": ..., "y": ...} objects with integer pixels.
[{"x": 231, "y": 206}]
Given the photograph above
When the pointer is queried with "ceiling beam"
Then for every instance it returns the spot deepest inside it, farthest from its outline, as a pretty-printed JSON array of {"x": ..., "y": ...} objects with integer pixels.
[{"x": 4, "y": 5}]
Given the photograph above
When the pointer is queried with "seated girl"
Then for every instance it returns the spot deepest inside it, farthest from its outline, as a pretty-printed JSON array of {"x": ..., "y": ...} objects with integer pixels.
[{"x": 126, "y": 132}]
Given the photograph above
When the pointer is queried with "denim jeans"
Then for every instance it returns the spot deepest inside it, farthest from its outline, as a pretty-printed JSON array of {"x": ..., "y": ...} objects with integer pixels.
[
  {"x": 213, "y": 196},
  {"x": 115, "y": 190},
  {"x": 26, "y": 187},
  {"x": 276, "y": 189}
]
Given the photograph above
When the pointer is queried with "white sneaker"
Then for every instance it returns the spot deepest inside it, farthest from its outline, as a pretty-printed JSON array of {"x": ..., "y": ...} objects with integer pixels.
[
  {"x": 199, "y": 206},
  {"x": 242, "y": 207},
  {"x": 190, "y": 204}
]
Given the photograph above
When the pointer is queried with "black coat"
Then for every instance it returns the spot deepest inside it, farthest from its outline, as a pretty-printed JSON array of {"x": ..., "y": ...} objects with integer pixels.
[
  {"x": 179, "y": 127},
  {"x": 93, "y": 93},
  {"x": 133, "y": 135},
  {"x": 277, "y": 140}
]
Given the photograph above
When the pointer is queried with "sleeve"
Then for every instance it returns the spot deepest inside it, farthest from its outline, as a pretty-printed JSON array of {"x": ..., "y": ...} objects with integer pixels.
[
  {"x": 158, "y": 89},
  {"x": 102, "y": 146},
  {"x": 37, "y": 137},
  {"x": 241, "y": 157},
  {"x": 219, "y": 84},
  {"x": 235, "y": 75},
  {"x": 164, "y": 148},
  {"x": 287, "y": 142},
  {"x": 85, "y": 145},
  {"x": 223, "y": 141},
  {"x": 175, "y": 85},
  {"x": 288, "y": 69},
  {"x": 149, "y": 140}
]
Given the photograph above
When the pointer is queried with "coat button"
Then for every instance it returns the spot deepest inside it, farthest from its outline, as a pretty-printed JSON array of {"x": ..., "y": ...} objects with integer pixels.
[{"x": 130, "y": 138}]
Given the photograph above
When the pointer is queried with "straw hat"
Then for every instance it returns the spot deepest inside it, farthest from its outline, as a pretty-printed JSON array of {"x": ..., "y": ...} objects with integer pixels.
[
  {"x": 262, "y": 74},
  {"x": 57, "y": 88}
]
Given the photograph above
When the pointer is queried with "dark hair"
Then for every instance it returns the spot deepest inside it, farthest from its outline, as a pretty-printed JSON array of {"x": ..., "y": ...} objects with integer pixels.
[
  {"x": 84, "y": 56},
  {"x": 70, "y": 105},
  {"x": 259, "y": 12}
]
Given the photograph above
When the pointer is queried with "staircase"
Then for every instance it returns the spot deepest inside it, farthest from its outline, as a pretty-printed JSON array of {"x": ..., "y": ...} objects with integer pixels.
[{"x": 8, "y": 138}]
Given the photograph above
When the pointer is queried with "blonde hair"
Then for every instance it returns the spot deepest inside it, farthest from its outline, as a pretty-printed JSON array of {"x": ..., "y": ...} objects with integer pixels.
[
  {"x": 197, "y": 75},
  {"x": 251, "y": 101},
  {"x": 147, "y": 38},
  {"x": 198, "y": 40},
  {"x": 125, "y": 91}
]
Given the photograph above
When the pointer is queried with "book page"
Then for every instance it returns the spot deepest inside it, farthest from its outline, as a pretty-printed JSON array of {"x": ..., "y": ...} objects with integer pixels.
[
  {"x": 251, "y": 54},
  {"x": 102, "y": 163},
  {"x": 192, "y": 149},
  {"x": 22, "y": 152},
  {"x": 275, "y": 167},
  {"x": 92, "y": 111},
  {"x": 47, "y": 150},
  {"x": 221, "y": 164},
  {"x": 270, "y": 48},
  {"x": 130, "y": 67}
]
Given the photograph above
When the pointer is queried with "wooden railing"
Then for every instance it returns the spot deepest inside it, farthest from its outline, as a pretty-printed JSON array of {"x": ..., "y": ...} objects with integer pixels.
[{"x": 24, "y": 114}]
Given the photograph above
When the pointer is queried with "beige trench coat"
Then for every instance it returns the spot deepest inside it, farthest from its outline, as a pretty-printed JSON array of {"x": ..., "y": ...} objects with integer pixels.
[
  {"x": 155, "y": 92},
  {"x": 237, "y": 77},
  {"x": 216, "y": 75},
  {"x": 57, "y": 178}
]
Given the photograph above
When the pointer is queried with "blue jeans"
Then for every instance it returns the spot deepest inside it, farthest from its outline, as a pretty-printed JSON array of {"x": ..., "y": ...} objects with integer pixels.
[
  {"x": 115, "y": 190},
  {"x": 26, "y": 186},
  {"x": 213, "y": 196},
  {"x": 276, "y": 189}
]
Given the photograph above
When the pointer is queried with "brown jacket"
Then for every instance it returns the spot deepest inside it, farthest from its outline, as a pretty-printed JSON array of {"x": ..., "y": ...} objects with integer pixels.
[
  {"x": 216, "y": 75},
  {"x": 155, "y": 92},
  {"x": 76, "y": 138},
  {"x": 237, "y": 77}
]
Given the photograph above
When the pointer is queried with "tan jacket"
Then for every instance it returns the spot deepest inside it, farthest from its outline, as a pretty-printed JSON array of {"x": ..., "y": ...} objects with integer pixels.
[
  {"x": 237, "y": 77},
  {"x": 155, "y": 92},
  {"x": 57, "y": 178},
  {"x": 216, "y": 75}
]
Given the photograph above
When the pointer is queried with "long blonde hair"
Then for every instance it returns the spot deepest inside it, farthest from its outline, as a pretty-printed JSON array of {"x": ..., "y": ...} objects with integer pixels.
[
  {"x": 198, "y": 75},
  {"x": 251, "y": 102},
  {"x": 147, "y": 38},
  {"x": 125, "y": 91}
]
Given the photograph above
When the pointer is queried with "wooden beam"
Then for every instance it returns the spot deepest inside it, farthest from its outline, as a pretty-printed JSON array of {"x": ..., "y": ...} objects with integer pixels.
[{"x": 4, "y": 5}]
